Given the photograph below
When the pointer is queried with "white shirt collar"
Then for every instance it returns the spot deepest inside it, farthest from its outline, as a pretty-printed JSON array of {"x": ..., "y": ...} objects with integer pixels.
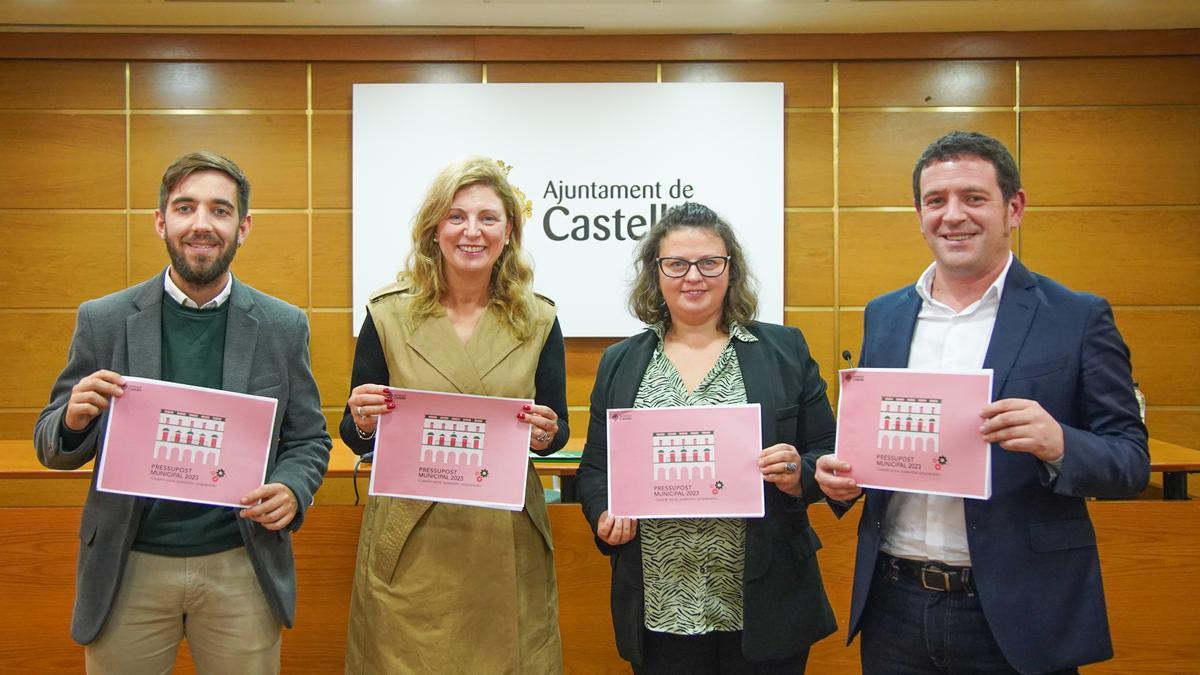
[
  {"x": 182, "y": 298},
  {"x": 924, "y": 287}
]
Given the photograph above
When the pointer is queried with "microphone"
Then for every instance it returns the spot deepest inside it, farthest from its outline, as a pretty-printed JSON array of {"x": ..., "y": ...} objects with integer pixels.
[
  {"x": 368, "y": 458},
  {"x": 846, "y": 357}
]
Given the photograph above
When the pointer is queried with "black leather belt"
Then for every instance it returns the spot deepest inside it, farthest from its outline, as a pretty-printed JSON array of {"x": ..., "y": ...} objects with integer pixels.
[{"x": 932, "y": 575}]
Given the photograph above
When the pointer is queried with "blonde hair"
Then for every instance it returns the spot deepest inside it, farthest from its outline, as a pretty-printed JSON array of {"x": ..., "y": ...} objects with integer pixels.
[{"x": 510, "y": 288}]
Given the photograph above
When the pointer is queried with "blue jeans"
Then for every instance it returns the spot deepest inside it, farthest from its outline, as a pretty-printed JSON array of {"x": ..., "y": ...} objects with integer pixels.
[{"x": 907, "y": 630}]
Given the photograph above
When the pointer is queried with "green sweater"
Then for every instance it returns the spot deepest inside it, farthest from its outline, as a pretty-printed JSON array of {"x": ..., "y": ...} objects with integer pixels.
[{"x": 193, "y": 352}]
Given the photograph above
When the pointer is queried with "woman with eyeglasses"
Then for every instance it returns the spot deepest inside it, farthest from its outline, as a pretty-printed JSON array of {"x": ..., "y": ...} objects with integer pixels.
[{"x": 718, "y": 595}]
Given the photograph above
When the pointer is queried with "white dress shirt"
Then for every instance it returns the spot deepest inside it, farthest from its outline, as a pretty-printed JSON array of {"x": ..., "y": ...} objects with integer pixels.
[
  {"x": 933, "y": 527},
  {"x": 182, "y": 298}
]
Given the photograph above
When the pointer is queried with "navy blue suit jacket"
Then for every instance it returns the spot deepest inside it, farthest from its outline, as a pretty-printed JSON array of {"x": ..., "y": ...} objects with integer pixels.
[{"x": 1033, "y": 548}]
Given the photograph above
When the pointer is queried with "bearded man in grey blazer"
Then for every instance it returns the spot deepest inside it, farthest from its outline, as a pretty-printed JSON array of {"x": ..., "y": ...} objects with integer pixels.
[{"x": 152, "y": 571}]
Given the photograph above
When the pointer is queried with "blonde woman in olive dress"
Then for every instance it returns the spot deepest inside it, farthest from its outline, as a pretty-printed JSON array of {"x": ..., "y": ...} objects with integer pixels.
[{"x": 444, "y": 588}]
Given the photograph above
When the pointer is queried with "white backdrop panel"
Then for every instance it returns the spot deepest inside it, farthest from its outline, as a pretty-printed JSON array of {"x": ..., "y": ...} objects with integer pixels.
[{"x": 720, "y": 144}]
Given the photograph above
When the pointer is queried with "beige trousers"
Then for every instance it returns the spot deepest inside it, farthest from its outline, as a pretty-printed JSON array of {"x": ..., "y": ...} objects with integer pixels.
[{"x": 214, "y": 601}]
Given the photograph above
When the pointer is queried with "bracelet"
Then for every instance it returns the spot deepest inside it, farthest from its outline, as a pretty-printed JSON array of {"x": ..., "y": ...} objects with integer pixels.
[{"x": 364, "y": 435}]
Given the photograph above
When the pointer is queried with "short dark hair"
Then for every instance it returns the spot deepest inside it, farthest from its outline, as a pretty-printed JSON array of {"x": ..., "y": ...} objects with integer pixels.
[
  {"x": 205, "y": 160},
  {"x": 970, "y": 144},
  {"x": 646, "y": 299}
]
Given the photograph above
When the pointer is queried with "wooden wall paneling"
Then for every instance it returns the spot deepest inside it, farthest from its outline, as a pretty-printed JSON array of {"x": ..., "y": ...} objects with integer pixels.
[
  {"x": 927, "y": 83},
  {"x": 1163, "y": 347},
  {"x": 1111, "y": 156},
  {"x": 333, "y": 418},
  {"x": 270, "y": 148},
  {"x": 808, "y": 259},
  {"x": 332, "y": 347},
  {"x": 808, "y": 159},
  {"x": 818, "y": 330},
  {"x": 62, "y": 85},
  {"x": 1181, "y": 427},
  {"x": 69, "y": 490},
  {"x": 579, "y": 418},
  {"x": 331, "y": 260},
  {"x": 273, "y": 259},
  {"x": 583, "y": 575},
  {"x": 38, "y": 577},
  {"x": 333, "y": 82},
  {"x": 583, "y": 357},
  {"x": 1135, "y": 538},
  {"x": 878, "y": 149},
  {"x": 18, "y": 424},
  {"x": 147, "y": 251},
  {"x": 806, "y": 84},
  {"x": 752, "y": 47},
  {"x": 62, "y": 161},
  {"x": 850, "y": 334},
  {"x": 1147, "y": 549},
  {"x": 58, "y": 251},
  {"x": 329, "y": 541},
  {"x": 879, "y": 251},
  {"x": 839, "y": 541},
  {"x": 331, "y": 161},
  {"x": 1111, "y": 81},
  {"x": 261, "y": 85},
  {"x": 832, "y": 46},
  {"x": 601, "y": 71},
  {"x": 1144, "y": 256},
  {"x": 28, "y": 378},
  {"x": 239, "y": 47}
]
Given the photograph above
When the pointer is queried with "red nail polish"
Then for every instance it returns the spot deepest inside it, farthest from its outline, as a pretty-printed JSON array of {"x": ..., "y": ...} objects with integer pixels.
[
  {"x": 387, "y": 391},
  {"x": 391, "y": 405},
  {"x": 526, "y": 407},
  {"x": 520, "y": 416}
]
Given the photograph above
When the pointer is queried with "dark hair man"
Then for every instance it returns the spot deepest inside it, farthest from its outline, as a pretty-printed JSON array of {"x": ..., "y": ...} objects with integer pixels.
[
  {"x": 1010, "y": 584},
  {"x": 152, "y": 571}
]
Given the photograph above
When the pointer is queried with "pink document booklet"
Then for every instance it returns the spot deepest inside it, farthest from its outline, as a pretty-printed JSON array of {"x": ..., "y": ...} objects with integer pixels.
[
  {"x": 689, "y": 462},
  {"x": 915, "y": 430},
  {"x": 452, "y": 448},
  {"x": 191, "y": 444}
]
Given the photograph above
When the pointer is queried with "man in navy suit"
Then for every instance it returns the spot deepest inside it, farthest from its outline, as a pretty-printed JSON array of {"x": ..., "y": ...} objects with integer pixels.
[{"x": 1009, "y": 584}]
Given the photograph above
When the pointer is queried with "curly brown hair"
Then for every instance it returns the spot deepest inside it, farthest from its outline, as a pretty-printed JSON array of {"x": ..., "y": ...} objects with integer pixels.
[{"x": 645, "y": 297}]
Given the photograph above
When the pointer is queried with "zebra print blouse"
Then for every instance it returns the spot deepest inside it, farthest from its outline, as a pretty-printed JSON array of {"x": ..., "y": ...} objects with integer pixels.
[{"x": 692, "y": 567}]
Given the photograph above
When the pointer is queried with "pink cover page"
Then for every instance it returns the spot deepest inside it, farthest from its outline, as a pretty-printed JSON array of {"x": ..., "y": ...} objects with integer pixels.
[
  {"x": 915, "y": 430},
  {"x": 452, "y": 448},
  {"x": 191, "y": 444},
  {"x": 688, "y": 462}
]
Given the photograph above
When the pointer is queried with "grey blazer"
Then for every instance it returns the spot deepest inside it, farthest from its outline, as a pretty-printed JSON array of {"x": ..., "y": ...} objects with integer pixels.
[{"x": 266, "y": 354}]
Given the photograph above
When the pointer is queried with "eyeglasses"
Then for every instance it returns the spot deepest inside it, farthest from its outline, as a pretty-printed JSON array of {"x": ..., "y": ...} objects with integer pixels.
[{"x": 679, "y": 267}]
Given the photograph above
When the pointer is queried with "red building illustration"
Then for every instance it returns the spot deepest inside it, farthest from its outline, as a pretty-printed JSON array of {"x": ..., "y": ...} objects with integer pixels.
[
  {"x": 453, "y": 440},
  {"x": 189, "y": 437},
  {"x": 909, "y": 423},
  {"x": 682, "y": 455}
]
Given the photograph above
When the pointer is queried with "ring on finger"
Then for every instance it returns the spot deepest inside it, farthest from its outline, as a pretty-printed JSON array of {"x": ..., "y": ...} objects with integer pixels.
[
  {"x": 790, "y": 467},
  {"x": 543, "y": 436},
  {"x": 360, "y": 412}
]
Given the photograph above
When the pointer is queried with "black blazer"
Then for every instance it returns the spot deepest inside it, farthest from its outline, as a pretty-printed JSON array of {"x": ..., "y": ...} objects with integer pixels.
[{"x": 784, "y": 604}]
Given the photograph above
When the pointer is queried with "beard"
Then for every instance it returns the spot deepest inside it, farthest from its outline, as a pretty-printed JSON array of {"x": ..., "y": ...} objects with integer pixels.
[{"x": 204, "y": 273}]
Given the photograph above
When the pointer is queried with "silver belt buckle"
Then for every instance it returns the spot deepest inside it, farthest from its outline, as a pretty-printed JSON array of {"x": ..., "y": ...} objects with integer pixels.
[{"x": 928, "y": 573}]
